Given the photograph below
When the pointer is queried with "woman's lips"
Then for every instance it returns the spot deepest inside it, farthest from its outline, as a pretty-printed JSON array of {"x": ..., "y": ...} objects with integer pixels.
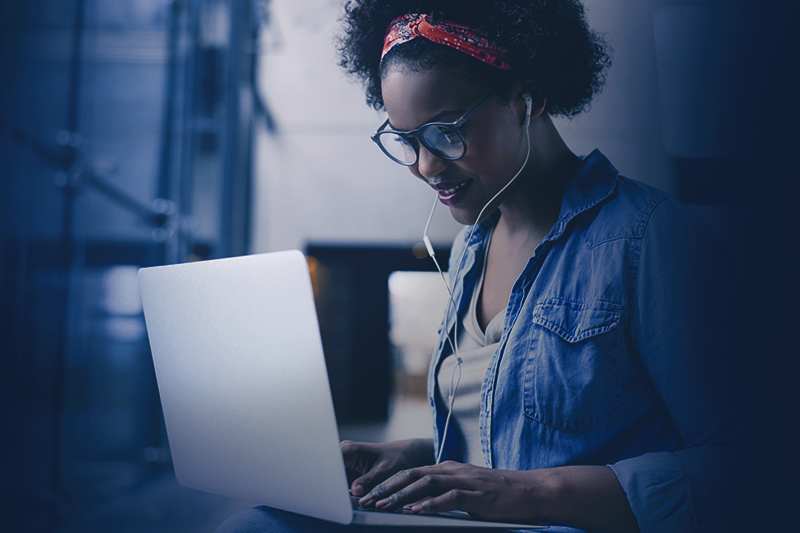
[{"x": 451, "y": 192}]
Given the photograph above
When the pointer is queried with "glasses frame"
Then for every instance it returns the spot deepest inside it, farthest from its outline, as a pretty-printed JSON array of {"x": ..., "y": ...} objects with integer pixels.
[{"x": 407, "y": 135}]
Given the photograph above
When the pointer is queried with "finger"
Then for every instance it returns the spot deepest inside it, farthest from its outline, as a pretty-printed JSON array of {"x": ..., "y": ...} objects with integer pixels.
[
  {"x": 389, "y": 486},
  {"x": 452, "y": 500},
  {"x": 359, "y": 459},
  {"x": 410, "y": 486},
  {"x": 355, "y": 453},
  {"x": 366, "y": 483}
]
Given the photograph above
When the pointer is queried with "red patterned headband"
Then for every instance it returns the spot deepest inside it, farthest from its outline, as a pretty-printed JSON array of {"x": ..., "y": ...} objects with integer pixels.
[{"x": 456, "y": 36}]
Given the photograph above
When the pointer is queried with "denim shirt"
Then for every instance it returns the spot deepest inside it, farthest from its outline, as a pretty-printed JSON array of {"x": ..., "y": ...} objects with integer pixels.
[{"x": 613, "y": 353}]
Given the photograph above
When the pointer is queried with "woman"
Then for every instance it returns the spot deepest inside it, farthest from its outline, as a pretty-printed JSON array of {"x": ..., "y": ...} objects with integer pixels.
[{"x": 582, "y": 375}]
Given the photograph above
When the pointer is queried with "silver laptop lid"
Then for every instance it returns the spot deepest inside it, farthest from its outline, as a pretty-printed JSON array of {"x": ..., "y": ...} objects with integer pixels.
[{"x": 243, "y": 384}]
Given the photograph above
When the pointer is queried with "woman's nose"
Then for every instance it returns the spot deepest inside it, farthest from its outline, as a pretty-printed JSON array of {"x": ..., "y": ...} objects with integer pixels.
[{"x": 429, "y": 165}]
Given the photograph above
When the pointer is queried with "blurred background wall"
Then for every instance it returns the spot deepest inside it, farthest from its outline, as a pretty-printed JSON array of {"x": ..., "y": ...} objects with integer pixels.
[{"x": 144, "y": 132}]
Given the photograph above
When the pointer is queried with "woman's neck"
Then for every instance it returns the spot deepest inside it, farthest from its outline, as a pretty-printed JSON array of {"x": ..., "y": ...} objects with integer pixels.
[{"x": 532, "y": 207}]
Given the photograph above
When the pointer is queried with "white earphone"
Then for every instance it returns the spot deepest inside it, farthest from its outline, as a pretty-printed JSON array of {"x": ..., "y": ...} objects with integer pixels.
[{"x": 528, "y": 108}]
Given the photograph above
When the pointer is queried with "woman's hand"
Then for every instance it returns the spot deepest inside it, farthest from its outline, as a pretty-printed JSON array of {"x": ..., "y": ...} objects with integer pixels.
[
  {"x": 584, "y": 496},
  {"x": 501, "y": 495},
  {"x": 370, "y": 464}
]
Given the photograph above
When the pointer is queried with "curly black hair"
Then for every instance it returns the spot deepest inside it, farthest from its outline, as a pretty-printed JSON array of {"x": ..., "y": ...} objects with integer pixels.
[{"x": 549, "y": 44}]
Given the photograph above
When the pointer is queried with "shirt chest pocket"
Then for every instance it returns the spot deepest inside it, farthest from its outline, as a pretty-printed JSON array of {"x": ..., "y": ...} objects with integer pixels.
[{"x": 572, "y": 375}]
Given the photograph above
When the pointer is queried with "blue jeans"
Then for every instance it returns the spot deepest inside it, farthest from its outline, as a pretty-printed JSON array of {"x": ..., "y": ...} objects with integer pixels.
[{"x": 267, "y": 520}]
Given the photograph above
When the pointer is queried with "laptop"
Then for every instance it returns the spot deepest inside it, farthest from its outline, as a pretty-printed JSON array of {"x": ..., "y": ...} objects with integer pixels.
[{"x": 245, "y": 392}]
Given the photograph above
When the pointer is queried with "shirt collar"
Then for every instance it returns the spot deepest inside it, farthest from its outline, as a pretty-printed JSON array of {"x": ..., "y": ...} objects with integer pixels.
[{"x": 594, "y": 181}]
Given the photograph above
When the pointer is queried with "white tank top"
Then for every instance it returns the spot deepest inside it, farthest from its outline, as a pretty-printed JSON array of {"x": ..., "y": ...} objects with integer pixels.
[{"x": 475, "y": 348}]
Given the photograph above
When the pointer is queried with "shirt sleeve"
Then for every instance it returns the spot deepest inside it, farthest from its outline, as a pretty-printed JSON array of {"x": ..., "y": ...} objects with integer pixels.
[{"x": 686, "y": 332}]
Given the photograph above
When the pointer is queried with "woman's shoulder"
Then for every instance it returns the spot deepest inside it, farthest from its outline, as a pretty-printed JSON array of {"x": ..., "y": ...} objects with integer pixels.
[
  {"x": 658, "y": 210},
  {"x": 654, "y": 219},
  {"x": 632, "y": 207}
]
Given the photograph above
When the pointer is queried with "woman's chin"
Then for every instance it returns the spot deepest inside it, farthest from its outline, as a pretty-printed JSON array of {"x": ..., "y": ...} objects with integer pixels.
[{"x": 466, "y": 217}]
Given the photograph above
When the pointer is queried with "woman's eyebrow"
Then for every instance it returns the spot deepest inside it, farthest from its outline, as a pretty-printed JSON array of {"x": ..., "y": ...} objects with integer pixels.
[{"x": 435, "y": 118}]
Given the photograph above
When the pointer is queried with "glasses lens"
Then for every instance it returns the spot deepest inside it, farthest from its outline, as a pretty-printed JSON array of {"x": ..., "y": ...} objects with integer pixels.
[
  {"x": 398, "y": 148},
  {"x": 443, "y": 141}
]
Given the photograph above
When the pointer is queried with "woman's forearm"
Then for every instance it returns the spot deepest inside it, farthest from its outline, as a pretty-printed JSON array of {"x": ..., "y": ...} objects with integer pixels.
[{"x": 584, "y": 496}]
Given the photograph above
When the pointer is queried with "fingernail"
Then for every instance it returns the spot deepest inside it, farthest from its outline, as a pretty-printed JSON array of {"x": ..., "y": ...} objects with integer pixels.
[{"x": 358, "y": 490}]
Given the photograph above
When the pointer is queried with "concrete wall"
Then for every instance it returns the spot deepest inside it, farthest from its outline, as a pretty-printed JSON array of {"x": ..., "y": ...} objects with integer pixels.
[{"x": 321, "y": 179}]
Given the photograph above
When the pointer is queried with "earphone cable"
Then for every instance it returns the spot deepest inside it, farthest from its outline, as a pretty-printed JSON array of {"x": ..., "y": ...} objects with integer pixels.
[{"x": 451, "y": 303}]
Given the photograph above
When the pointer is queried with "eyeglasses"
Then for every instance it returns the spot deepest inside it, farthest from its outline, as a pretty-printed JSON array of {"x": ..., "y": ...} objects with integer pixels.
[{"x": 442, "y": 139}]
